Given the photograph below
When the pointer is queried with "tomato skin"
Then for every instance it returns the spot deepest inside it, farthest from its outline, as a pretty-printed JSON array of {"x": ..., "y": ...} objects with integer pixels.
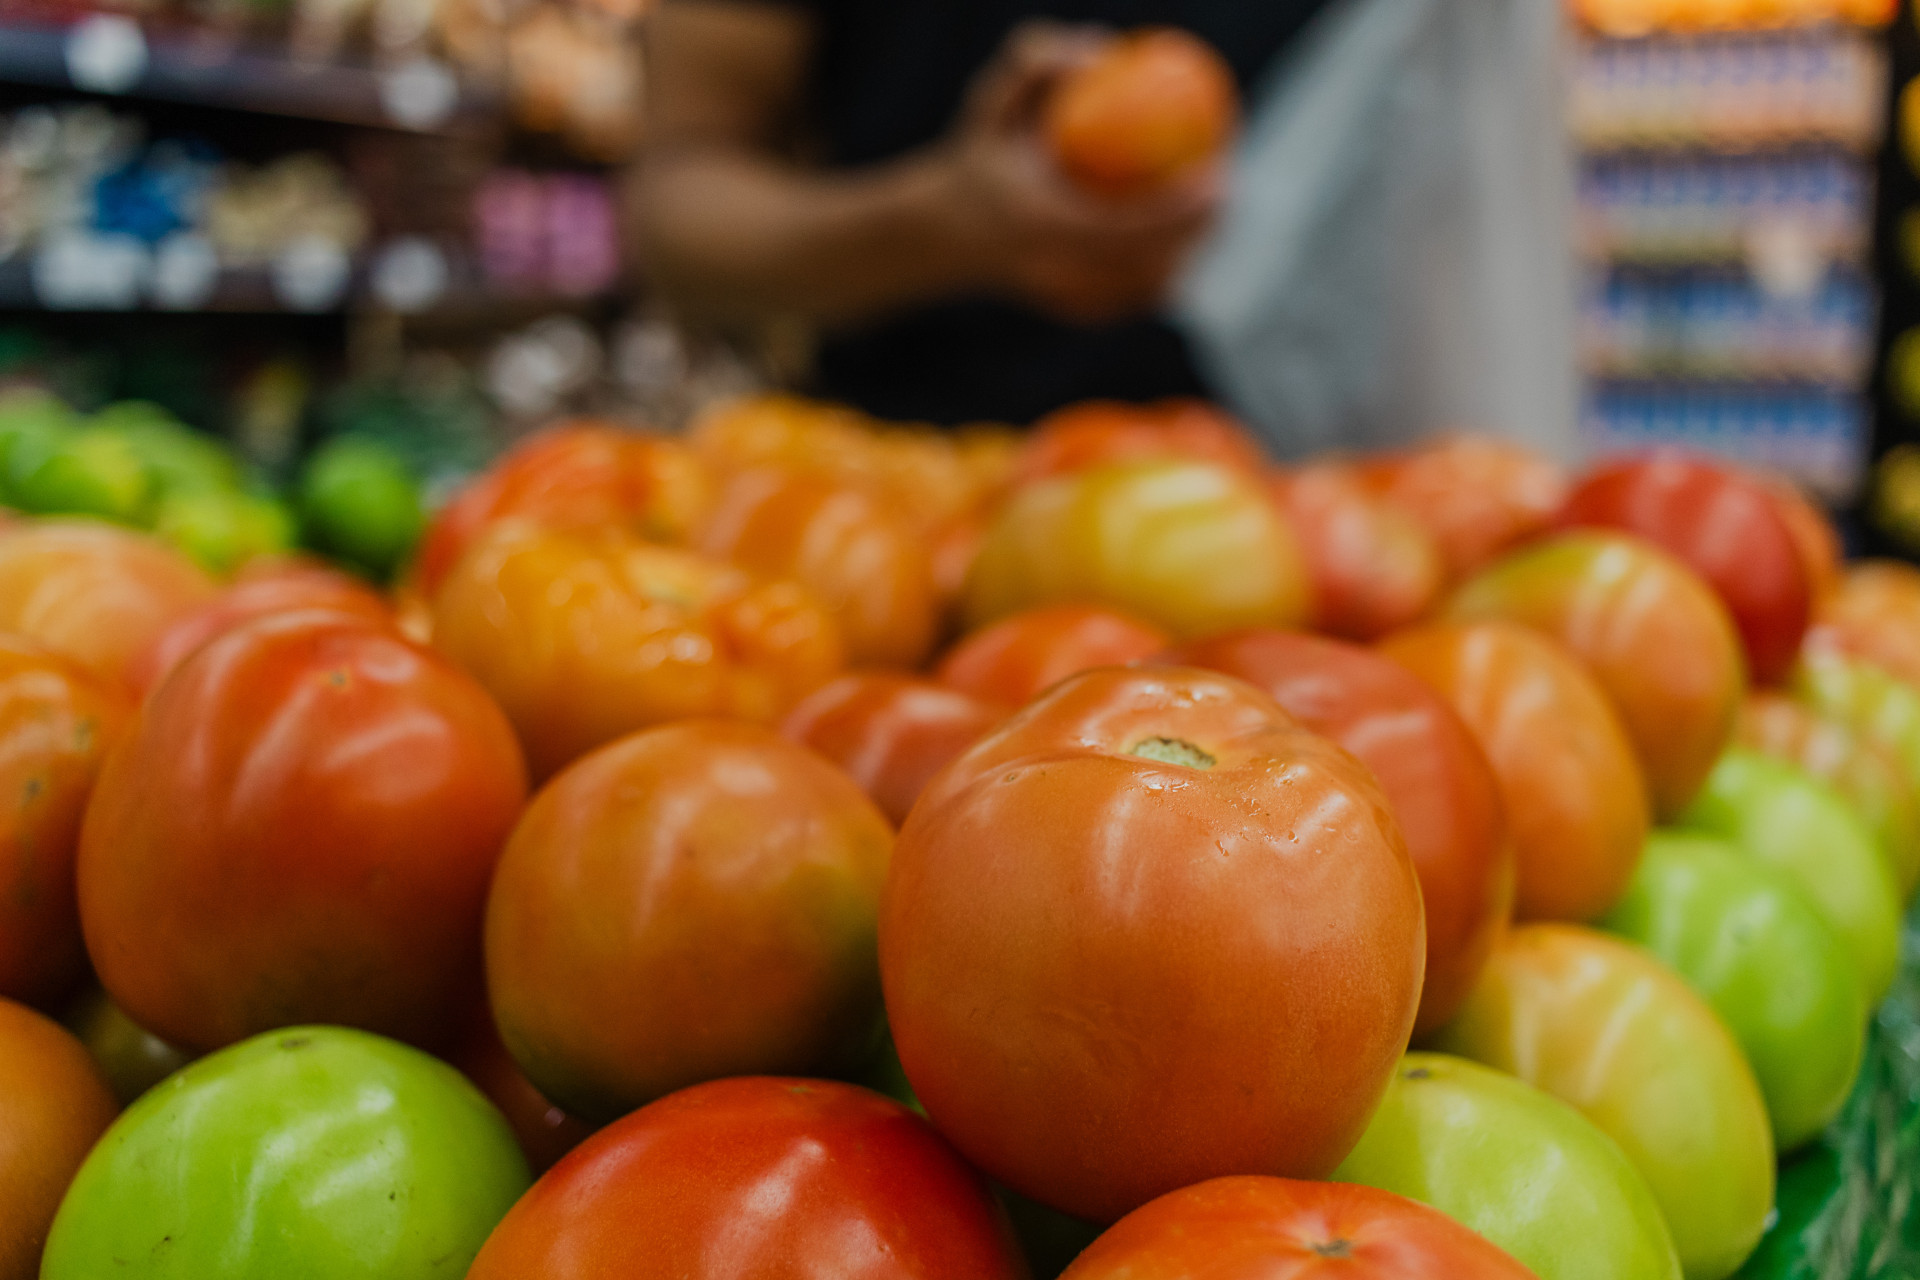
[
  {"x": 1575, "y": 803},
  {"x": 679, "y": 1191},
  {"x": 1517, "y": 1165},
  {"x": 1015, "y": 660},
  {"x": 299, "y": 825},
  {"x": 1874, "y": 614},
  {"x": 1814, "y": 536},
  {"x": 1435, "y": 776},
  {"x": 1152, "y": 105},
  {"x": 1744, "y": 938},
  {"x": 1096, "y": 432},
  {"x": 864, "y": 561},
  {"x": 1477, "y": 495},
  {"x": 585, "y": 638},
  {"x": 1256, "y": 1228},
  {"x": 1653, "y": 634},
  {"x": 694, "y": 901},
  {"x": 1190, "y": 546},
  {"x": 1077, "y": 1016},
  {"x": 1375, "y": 568},
  {"x": 545, "y": 1132},
  {"x": 57, "y": 722},
  {"x": 131, "y": 1059},
  {"x": 891, "y": 733},
  {"x": 1604, "y": 1026},
  {"x": 1724, "y": 527},
  {"x": 53, "y": 1105}
]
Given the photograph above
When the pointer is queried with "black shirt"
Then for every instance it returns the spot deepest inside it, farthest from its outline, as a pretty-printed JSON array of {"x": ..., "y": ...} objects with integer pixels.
[{"x": 890, "y": 77}]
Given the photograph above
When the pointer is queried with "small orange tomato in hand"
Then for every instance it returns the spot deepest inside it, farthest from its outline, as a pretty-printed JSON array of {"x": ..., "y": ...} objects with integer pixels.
[
  {"x": 1014, "y": 660},
  {"x": 1477, "y": 495},
  {"x": 53, "y": 1106},
  {"x": 890, "y": 732},
  {"x": 1151, "y": 106},
  {"x": 1375, "y": 568},
  {"x": 583, "y": 638}
]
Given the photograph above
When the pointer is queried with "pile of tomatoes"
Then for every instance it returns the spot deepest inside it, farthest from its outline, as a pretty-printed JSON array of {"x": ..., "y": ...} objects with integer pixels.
[{"x": 815, "y": 848}]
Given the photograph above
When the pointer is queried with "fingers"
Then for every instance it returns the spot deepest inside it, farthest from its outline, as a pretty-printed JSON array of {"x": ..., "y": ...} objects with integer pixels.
[{"x": 1010, "y": 92}]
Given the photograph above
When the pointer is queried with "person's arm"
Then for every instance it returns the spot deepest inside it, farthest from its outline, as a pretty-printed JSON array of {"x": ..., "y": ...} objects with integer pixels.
[{"x": 731, "y": 228}]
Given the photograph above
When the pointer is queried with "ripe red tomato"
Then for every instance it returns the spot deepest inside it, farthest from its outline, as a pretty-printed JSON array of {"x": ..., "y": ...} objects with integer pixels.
[
  {"x": 57, "y": 721},
  {"x": 1277, "y": 1229},
  {"x": 1374, "y": 567},
  {"x": 890, "y": 732},
  {"x": 1813, "y": 534},
  {"x": 544, "y": 1131},
  {"x": 53, "y": 1106},
  {"x": 1575, "y": 800},
  {"x": 1726, "y": 528},
  {"x": 1150, "y": 931},
  {"x": 299, "y": 827},
  {"x": 1014, "y": 660},
  {"x": 695, "y": 901},
  {"x": 773, "y": 1179},
  {"x": 1100, "y": 431},
  {"x": 1477, "y": 495},
  {"x": 1152, "y": 105},
  {"x": 1437, "y": 779},
  {"x": 1873, "y": 613}
]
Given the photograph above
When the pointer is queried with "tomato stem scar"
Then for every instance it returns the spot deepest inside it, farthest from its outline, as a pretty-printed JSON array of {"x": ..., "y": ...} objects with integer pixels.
[{"x": 1172, "y": 751}]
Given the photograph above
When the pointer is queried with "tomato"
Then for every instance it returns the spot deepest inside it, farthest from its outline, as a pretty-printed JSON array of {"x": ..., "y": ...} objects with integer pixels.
[
  {"x": 361, "y": 501},
  {"x": 1151, "y": 930},
  {"x": 1151, "y": 106},
  {"x": 776, "y": 1179},
  {"x": 1744, "y": 937},
  {"x": 1192, "y": 547},
  {"x": 695, "y": 901},
  {"x": 92, "y": 592},
  {"x": 1477, "y": 495},
  {"x": 1799, "y": 825},
  {"x": 1437, "y": 779},
  {"x": 866, "y": 562},
  {"x": 1653, "y": 634},
  {"x": 1726, "y": 528},
  {"x": 1519, "y": 1166},
  {"x": 1374, "y": 567},
  {"x": 1866, "y": 773},
  {"x": 1882, "y": 710},
  {"x": 299, "y": 826},
  {"x": 891, "y": 733},
  {"x": 1254, "y": 1228},
  {"x": 131, "y": 1059},
  {"x": 545, "y": 1132},
  {"x": 53, "y": 1105},
  {"x": 57, "y": 721},
  {"x": 1813, "y": 534},
  {"x": 1874, "y": 614},
  {"x": 1101, "y": 431},
  {"x": 1014, "y": 660},
  {"x": 584, "y": 638},
  {"x": 308, "y": 1153},
  {"x": 1575, "y": 803},
  {"x": 1604, "y": 1026},
  {"x": 580, "y": 476}
]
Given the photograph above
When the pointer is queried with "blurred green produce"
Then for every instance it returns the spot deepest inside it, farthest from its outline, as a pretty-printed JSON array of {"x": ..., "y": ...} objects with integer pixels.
[
  {"x": 360, "y": 501},
  {"x": 223, "y": 528}
]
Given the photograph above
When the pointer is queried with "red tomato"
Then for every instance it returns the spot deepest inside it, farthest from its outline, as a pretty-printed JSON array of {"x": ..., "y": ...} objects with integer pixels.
[
  {"x": 545, "y": 1132},
  {"x": 56, "y": 723},
  {"x": 758, "y": 1177},
  {"x": 1375, "y": 568},
  {"x": 1478, "y": 496},
  {"x": 53, "y": 1106},
  {"x": 1150, "y": 931},
  {"x": 1723, "y": 526},
  {"x": 299, "y": 827},
  {"x": 1152, "y": 105},
  {"x": 695, "y": 901},
  {"x": 1874, "y": 614},
  {"x": 1813, "y": 534},
  {"x": 891, "y": 733},
  {"x": 1575, "y": 801},
  {"x": 1277, "y": 1229},
  {"x": 1437, "y": 779},
  {"x": 1014, "y": 660},
  {"x": 1099, "y": 431}
]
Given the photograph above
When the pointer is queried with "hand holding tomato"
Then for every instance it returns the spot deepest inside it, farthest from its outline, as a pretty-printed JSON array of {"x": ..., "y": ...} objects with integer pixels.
[{"x": 1147, "y": 109}]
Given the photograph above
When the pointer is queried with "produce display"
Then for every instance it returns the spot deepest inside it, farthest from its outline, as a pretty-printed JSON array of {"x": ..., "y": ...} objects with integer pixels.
[{"x": 807, "y": 846}]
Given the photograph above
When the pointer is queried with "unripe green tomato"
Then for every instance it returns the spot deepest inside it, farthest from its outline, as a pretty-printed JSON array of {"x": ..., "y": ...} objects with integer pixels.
[
  {"x": 91, "y": 473},
  {"x": 1608, "y": 1029},
  {"x": 1784, "y": 817},
  {"x": 312, "y": 1153},
  {"x": 222, "y": 528},
  {"x": 176, "y": 456},
  {"x": 1519, "y": 1166},
  {"x": 360, "y": 502},
  {"x": 1871, "y": 701},
  {"x": 31, "y": 423}
]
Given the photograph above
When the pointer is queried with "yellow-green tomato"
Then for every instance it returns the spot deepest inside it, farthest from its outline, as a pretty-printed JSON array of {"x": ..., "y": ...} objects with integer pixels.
[
  {"x": 1793, "y": 822},
  {"x": 1745, "y": 938},
  {"x": 1517, "y": 1165},
  {"x": 1195, "y": 547},
  {"x": 1605, "y": 1027},
  {"x": 1871, "y": 701}
]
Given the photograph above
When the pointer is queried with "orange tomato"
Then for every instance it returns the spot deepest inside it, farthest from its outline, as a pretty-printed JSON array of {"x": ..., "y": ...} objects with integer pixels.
[
  {"x": 1477, "y": 495},
  {"x": 56, "y": 723},
  {"x": 1575, "y": 801},
  {"x": 691, "y": 902},
  {"x": 53, "y": 1106},
  {"x": 1151, "y": 106},
  {"x": 583, "y": 638},
  {"x": 1150, "y": 931},
  {"x": 1873, "y": 613},
  {"x": 1014, "y": 660},
  {"x": 1101, "y": 431},
  {"x": 1375, "y": 568}
]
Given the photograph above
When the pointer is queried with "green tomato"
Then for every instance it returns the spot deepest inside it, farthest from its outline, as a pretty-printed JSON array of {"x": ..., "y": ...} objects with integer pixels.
[
  {"x": 1522, "y": 1168},
  {"x": 1745, "y": 938},
  {"x": 221, "y": 528},
  {"x": 93, "y": 473},
  {"x": 306, "y": 1154},
  {"x": 132, "y": 1059},
  {"x": 1615, "y": 1034},
  {"x": 361, "y": 503},
  {"x": 176, "y": 456},
  {"x": 1790, "y": 820},
  {"x": 1871, "y": 701}
]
